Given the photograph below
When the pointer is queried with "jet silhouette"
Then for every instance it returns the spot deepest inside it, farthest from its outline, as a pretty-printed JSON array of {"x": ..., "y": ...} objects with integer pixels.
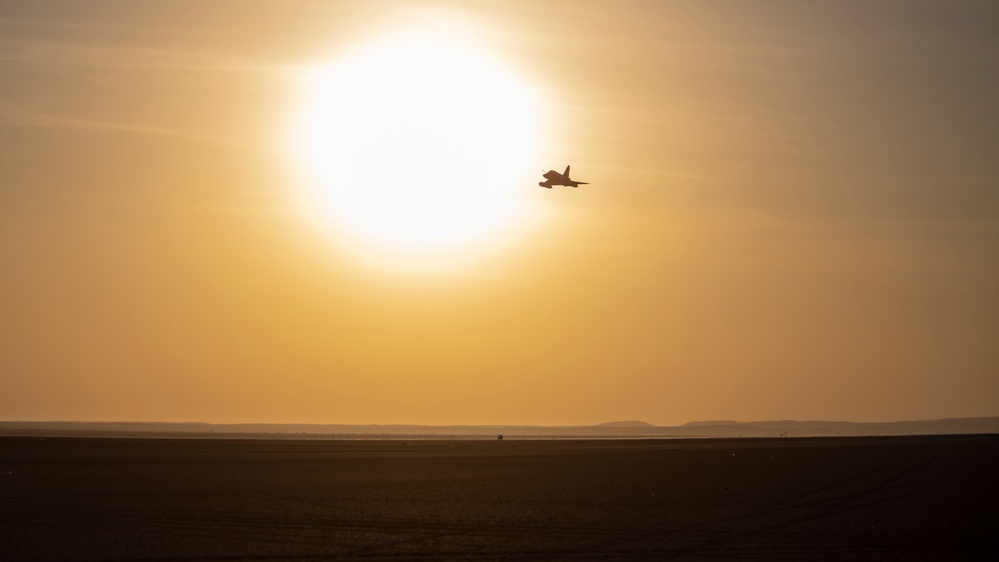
[{"x": 554, "y": 178}]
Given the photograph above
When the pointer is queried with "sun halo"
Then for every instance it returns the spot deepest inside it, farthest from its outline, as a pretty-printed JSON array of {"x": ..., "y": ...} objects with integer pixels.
[{"x": 417, "y": 148}]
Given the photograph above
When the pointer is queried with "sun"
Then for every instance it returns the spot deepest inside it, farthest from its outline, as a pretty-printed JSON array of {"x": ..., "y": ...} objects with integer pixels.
[{"x": 417, "y": 146}]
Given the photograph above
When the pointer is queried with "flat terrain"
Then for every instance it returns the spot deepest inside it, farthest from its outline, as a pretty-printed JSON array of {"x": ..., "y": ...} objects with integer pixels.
[{"x": 934, "y": 498}]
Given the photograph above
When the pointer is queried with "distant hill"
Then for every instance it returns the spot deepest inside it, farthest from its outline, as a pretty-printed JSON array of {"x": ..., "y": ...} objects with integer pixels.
[
  {"x": 619, "y": 429},
  {"x": 708, "y": 423},
  {"x": 625, "y": 424}
]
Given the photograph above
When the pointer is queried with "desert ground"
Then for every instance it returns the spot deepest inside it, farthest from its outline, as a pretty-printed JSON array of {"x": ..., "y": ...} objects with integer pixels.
[{"x": 896, "y": 498}]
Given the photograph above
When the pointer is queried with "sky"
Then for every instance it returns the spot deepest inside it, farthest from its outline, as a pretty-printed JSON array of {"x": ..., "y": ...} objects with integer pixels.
[{"x": 792, "y": 211}]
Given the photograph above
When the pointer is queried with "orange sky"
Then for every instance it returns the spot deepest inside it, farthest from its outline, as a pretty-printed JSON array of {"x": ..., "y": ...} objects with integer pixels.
[{"x": 793, "y": 213}]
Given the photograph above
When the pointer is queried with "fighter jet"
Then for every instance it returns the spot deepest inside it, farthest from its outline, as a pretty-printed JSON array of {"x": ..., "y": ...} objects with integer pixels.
[{"x": 554, "y": 178}]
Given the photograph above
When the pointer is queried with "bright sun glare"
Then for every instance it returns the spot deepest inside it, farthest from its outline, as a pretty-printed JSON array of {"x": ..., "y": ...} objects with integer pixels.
[{"x": 418, "y": 147}]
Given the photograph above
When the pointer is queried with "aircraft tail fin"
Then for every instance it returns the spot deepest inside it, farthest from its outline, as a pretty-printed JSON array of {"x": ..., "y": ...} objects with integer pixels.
[{"x": 565, "y": 174}]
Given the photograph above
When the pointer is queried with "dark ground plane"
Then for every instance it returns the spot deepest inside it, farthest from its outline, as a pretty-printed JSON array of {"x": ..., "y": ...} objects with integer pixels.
[{"x": 897, "y": 498}]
